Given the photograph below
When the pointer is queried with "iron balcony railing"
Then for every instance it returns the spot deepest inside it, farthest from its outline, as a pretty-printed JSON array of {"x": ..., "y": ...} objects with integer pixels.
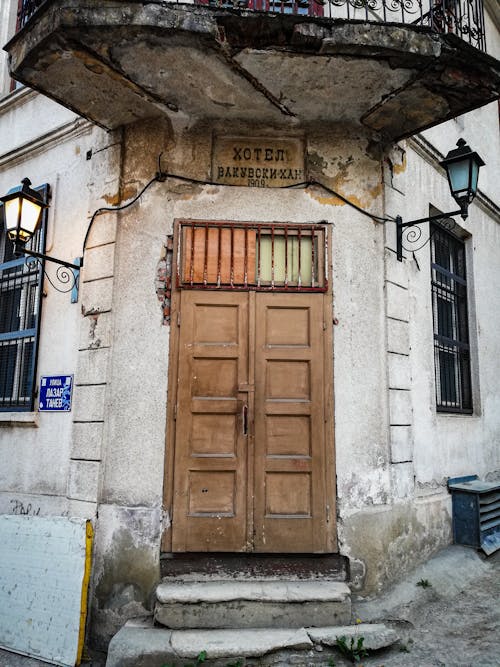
[
  {"x": 464, "y": 18},
  {"x": 26, "y": 10}
]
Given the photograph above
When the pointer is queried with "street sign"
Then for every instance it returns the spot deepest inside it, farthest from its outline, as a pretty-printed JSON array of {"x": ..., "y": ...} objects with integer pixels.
[{"x": 55, "y": 393}]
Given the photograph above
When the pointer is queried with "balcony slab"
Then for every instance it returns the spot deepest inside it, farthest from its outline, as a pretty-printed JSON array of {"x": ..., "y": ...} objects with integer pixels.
[{"x": 116, "y": 63}]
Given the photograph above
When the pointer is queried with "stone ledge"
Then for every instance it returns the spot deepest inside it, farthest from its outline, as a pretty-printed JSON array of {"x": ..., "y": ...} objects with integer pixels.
[
  {"x": 19, "y": 419},
  {"x": 383, "y": 39},
  {"x": 259, "y": 591}
]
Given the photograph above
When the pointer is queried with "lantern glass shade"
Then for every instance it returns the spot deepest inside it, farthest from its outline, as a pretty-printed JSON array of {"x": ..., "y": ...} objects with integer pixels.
[
  {"x": 22, "y": 212},
  {"x": 462, "y": 167},
  {"x": 459, "y": 177}
]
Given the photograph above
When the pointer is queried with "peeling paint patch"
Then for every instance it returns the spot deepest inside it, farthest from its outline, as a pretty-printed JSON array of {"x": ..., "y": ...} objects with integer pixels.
[
  {"x": 124, "y": 588},
  {"x": 400, "y": 168},
  {"x": 358, "y": 491},
  {"x": 394, "y": 165},
  {"x": 93, "y": 341},
  {"x": 357, "y": 572},
  {"x": 390, "y": 541},
  {"x": 331, "y": 200},
  {"x": 163, "y": 281},
  {"x": 128, "y": 192},
  {"x": 375, "y": 191},
  {"x": 316, "y": 162}
]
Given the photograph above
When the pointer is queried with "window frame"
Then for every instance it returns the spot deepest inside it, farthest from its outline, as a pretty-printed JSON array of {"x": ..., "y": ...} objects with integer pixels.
[
  {"x": 451, "y": 325},
  {"x": 28, "y": 279}
]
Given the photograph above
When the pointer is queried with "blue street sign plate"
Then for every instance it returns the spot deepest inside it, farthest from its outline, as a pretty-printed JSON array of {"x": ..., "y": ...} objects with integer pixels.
[{"x": 55, "y": 393}]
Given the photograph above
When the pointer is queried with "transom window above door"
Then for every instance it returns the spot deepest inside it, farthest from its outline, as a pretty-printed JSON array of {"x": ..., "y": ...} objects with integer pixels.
[{"x": 249, "y": 256}]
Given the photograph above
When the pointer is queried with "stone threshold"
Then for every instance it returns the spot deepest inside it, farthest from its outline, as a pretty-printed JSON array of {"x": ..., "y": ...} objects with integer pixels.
[{"x": 198, "y": 566}]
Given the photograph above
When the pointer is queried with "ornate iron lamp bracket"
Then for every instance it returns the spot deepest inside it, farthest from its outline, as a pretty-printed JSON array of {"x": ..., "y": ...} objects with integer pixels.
[
  {"x": 413, "y": 231},
  {"x": 67, "y": 273}
]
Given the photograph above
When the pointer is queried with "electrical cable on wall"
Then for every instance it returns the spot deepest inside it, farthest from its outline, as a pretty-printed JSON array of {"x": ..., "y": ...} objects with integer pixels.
[{"x": 161, "y": 176}]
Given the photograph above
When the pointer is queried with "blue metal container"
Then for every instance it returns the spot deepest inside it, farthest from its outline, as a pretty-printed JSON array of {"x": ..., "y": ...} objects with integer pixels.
[{"x": 476, "y": 512}]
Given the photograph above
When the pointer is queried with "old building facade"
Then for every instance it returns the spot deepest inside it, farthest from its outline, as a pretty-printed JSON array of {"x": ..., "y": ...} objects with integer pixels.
[{"x": 254, "y": 370}]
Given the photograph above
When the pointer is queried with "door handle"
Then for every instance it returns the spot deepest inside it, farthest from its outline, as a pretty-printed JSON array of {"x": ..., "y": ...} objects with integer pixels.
[{"x": 244, "y": 419}]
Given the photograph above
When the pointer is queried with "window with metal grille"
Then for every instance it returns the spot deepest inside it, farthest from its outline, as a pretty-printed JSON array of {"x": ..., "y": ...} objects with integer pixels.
[
  {"x": 451, "y": 327},
  {"x": 248, "y": 256},
  {"x": 20, "y": 304}
]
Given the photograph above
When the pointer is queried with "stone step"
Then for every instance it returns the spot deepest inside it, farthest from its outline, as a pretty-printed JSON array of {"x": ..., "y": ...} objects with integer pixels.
[
  {"x": 139, "y": 644},
  {"x": 252, "y": 604}
]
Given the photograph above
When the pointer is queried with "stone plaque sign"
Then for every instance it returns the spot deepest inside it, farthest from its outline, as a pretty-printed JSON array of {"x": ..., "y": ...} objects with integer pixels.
[{"x": 261, "y": 162}]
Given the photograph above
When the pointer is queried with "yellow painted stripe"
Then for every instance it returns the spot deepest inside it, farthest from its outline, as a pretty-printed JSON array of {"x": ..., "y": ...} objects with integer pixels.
[{"x": 89, "y": 536}]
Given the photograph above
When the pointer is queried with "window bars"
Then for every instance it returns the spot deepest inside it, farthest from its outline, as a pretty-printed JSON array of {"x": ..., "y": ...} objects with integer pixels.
[
  {"x": 21, "y": 282},
  {"x": 247, "y": 256},
  {"x": 451, "y": 330}
]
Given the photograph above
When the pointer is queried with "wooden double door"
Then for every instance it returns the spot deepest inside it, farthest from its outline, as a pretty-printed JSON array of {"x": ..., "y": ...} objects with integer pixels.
[{"x": 253, "y": 466}]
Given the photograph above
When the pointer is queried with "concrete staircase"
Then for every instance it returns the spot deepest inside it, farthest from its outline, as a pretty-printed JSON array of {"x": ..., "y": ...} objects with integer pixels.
[{"x": 240, "y": 620}]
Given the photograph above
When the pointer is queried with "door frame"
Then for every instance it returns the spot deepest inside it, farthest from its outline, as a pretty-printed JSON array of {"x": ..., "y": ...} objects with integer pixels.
[{"x": 329, "y": 435}]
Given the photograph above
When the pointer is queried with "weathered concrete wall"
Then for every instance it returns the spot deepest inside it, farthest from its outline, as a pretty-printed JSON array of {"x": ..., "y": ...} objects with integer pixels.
[
  {"x": 427, "y": 447},
  {"x": 35, "y": 447},
  {"x": 386, "y": 541},
  {"x": 51, "y": 462},
  {"x": 106, "y": 459},
  {"x": 479, "y": 129},
  {"x": 492, "y": 27},
  {"x": 8, "y": 11},
  {"x": 134, "y": 433},
  {"x": 393, "y": 497},
  {"x": 390, "y": 474},
  {"x": 451, "y": 445}
]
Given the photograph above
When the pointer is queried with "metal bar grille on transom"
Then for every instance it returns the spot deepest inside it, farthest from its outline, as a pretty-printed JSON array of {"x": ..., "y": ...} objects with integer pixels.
[{"x": 249, "y": 256}]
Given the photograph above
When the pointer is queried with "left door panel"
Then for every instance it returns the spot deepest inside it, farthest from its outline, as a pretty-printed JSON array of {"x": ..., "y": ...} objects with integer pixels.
[{"x": 210, "y": 497}]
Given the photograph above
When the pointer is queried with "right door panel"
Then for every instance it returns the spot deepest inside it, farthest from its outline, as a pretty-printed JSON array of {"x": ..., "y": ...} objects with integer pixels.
[{"x": 290, "y": 466}]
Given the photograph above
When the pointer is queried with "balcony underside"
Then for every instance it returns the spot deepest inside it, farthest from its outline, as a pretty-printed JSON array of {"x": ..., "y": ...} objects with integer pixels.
[{"x": 116, "y": 63}]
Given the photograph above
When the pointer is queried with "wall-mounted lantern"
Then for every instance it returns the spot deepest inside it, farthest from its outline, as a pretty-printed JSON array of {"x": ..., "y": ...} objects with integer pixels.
[
  {"x": 22, "y": 211},
  {"x": 462, "y": 168}
]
